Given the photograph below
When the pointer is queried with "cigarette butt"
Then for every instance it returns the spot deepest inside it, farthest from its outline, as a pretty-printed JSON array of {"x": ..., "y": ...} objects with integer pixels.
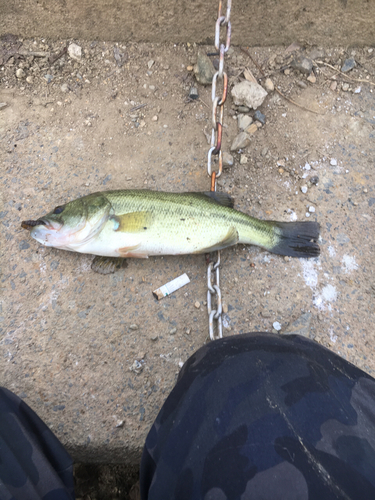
[{"x": 171, "y": 287}]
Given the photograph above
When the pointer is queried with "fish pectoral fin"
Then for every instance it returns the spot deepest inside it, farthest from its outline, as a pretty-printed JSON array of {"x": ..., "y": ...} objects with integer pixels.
[
  {"x": 134, "y": 222},
  {"x": 107, "y": 265},
  {"x": 132, "y": 252},
  {"x": 230, "y": 239}
]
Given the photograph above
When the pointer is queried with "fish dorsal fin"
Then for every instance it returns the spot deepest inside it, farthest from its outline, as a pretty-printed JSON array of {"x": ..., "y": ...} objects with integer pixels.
[
  {"x": 221, "y": 198},
  {"x": 231, "y": 238},
  {"x": 134, "y": 222}
]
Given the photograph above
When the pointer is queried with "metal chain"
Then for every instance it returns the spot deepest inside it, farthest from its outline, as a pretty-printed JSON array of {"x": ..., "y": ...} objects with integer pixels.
[{"x": 213, "y": 269}]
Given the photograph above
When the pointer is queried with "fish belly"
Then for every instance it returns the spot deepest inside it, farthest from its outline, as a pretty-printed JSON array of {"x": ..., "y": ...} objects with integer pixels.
[{"x": 165, "y": 237}]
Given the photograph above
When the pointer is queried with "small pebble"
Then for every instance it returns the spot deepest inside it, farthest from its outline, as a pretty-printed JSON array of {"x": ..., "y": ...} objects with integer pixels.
[
  {"x": 197, "y": 305},
  {"x": 228, "y": 160},
  {"x": 64, "y": 87},
  {"x": 276, "y": 326},
  {"x": 133, "y": 327},
  {"x": 307, "y": 214},
  {"x": 333, "y": 85},
  {"x": 260, "y": 117},
  {"x": 136, "y": 367},
  {"x": 302, "y": 64},
  {"x": 243, "y": 121},
  {"x": 287, "y": 71},
  {"x": 311, "y": 78},
  {"x": 225, "y": 308},
  {"x": 172, "y": 331},
  {"x": 304, "y": 189},
  {"x": 356, "y": 91},
  {"x": 190, "y": 68},
  {"x": 20, "y": 73},
  {"x": 243, "y": 159},
  {"x": 312, "y": 209},
  {"x": 243, "y": 109},
  {"x": 248, "y": 94},
  {"x": 204, "y": 69},
  {"x": 150, "y": 64},
  {"x": 302, "y": 84},
  {"x": 30, "y": 79},
  {"x": 333, "y": 162},
  {"x": 345, "y": 87},
  {"x": 188, "y": 331},
  {"x": 241, "y": 141},
  {"x": 75, "y": 51},
  {"x": 252, "y": 128},
  {"x": 268, "y": 85},
  {"x": 348, "y": 65},
  {"x": 193, "y": 93},
  {"x": 154, "y": 118}
]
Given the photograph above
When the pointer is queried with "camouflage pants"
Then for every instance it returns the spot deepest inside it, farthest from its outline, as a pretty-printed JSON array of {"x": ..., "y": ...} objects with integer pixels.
[
  {"x": 33, "y": 462},
  {"x": 263, "y": 416}
]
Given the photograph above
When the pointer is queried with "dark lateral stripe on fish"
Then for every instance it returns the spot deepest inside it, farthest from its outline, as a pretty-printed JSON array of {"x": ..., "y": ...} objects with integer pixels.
[{"x": 297, "y": 239}]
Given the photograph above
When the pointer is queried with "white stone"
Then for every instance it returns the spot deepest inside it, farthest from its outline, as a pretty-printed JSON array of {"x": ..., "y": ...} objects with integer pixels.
[
  {"x": 268, "y": 85},
  {"x": 304, "y": 189},
  {"x": 227, "y": 160},
  {"x": 248, "y": 94},
  {"x": 241, "y": 141},
  {"x": 20, "y": 73},
  {"x": 75, "y": 51},
  {"x": 276, "y": 326},
  {"x": 244, "y": 121},
  {"x": 312, "y": 209},
  {"x": 333, "y": 162}
]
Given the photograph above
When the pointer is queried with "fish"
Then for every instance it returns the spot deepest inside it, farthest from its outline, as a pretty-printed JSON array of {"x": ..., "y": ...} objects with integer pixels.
[{"x": 141, "y": 223}]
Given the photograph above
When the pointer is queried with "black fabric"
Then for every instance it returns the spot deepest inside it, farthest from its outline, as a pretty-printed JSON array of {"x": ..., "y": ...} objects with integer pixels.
[
  {"x": 263, "y": 416},
  {"x": 33, "y": 463}
]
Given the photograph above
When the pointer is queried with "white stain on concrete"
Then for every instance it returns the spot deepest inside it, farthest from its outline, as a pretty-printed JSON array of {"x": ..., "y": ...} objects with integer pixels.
[
  {"x": 331, "y": 251},
  {"x": 332, "y": 335},
  {"x": 325, "y": 297},
  {"x": 310, "y": 274},
  {"x": 349, "y": 263}
]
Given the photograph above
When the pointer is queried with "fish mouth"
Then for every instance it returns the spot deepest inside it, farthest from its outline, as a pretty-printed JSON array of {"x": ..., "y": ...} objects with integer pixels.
[{"x": 30, "y": 224}]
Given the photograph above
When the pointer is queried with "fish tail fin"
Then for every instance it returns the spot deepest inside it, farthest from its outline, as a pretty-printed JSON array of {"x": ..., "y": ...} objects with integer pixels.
[{"x": 296, "y": 239}]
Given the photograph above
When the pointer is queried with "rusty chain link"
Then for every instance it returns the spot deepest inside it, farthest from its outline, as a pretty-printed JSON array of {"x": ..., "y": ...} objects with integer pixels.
[{"x": 213, "y": 269}]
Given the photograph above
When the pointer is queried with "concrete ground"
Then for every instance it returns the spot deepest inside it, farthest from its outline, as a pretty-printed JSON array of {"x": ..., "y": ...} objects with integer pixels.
[{"x": 70, "y": 337}]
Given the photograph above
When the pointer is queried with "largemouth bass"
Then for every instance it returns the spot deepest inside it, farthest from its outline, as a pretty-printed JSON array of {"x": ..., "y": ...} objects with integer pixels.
[{"x": 141, "y": 223}]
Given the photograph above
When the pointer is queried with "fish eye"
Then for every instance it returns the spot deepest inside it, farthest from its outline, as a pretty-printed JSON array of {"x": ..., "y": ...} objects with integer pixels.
[{"x": 58, "y": 210}]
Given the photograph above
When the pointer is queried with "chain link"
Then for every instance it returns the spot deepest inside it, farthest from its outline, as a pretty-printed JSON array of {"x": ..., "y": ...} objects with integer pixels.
[{"x": 213, "y": 269}]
